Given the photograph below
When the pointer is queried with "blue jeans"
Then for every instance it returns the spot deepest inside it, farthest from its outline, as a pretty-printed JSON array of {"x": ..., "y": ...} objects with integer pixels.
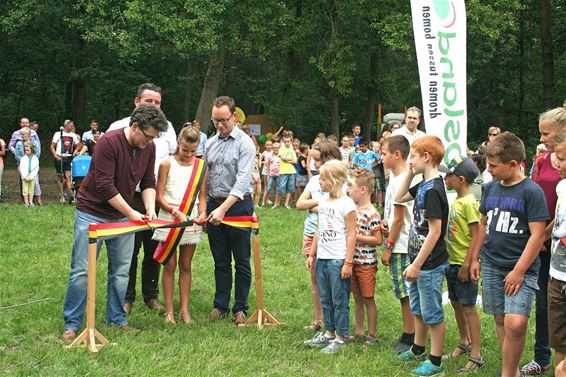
[
  {"x": 227, "y": 241},
  {"x": 334, "y": 295},
  {"x": 119, "y": 251}
]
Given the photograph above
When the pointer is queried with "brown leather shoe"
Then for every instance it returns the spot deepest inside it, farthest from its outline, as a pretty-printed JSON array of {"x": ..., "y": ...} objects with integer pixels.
[
  {"x": 239, "y": 318},
  {"x": 129, "y": 328},
  {"x": 68, "y": 335},
  {"x": 128, "y": 307},
  {"x": 154, "y": 304},
  {"x": 214, "y": 315}
]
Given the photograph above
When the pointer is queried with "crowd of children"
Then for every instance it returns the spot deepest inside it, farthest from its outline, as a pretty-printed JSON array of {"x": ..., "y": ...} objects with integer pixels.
[{"x": 426, "y": 241}]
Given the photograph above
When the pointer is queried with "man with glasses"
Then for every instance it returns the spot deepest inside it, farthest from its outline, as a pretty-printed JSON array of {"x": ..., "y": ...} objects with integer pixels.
[
  {"x": 229, "y": 155},
  {"x": 123, "y": 160},
  {"x": 165, "y": 145},
  {"x": 412, "y": 121}
]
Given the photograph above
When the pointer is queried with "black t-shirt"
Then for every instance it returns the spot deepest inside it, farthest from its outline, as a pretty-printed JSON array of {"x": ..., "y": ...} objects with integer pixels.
[
  {"x": 509, "y": 210},
  {"x": 430, "y": 203},
  {"x": 302, "y": 171}
]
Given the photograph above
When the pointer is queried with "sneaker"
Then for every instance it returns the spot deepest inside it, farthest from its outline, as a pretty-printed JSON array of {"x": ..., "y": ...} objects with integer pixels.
[
  {"x": 239, "y": 318},
  {"x": 427, "y": 368},
  {"x": 534, "y": 369},
  {"x": 214, "y": 315},
  {"x": 68, "y": 335},
  {"x": 334, "y": 346},
  {"x": 318, "y": 340},
  {"x": 154, "y": 304},
  {"x": 288, "y": 207},
  {"x": 410, "y": 356},
  {"x": 401, "y": 346}
]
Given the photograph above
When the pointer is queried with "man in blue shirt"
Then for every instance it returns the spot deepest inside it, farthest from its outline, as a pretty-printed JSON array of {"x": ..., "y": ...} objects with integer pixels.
[{"x": 230, "y": 156}]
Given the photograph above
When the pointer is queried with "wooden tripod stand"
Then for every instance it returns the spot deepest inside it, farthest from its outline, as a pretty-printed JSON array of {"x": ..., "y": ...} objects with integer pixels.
[
  {"x": 89, "y": 336},
  {"x": 261, "y": 316}
]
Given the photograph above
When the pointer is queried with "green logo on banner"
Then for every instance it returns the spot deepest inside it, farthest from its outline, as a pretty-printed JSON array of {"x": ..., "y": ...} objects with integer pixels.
[{"x": 441, "y": 8}]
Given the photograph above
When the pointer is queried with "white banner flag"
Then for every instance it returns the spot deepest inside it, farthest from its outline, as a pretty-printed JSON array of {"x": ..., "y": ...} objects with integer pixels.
[{"x": 440, "y": 41}]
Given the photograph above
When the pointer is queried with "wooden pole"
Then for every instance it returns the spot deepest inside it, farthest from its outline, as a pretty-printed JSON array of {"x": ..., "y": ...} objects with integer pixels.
[
  {"x": 89, "y": 336},
  {"x": 261, "y": 317}
]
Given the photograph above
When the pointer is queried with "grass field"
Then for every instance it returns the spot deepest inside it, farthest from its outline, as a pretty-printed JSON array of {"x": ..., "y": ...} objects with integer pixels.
[{"x": 34, "y": 257}]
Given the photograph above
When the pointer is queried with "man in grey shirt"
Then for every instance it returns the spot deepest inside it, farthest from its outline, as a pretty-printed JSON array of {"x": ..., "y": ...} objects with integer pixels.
[{"x": 229, "y": 155}]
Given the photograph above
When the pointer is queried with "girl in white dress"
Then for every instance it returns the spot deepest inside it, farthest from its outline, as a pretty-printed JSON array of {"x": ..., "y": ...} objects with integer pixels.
[{"x": 172, "y": 180}]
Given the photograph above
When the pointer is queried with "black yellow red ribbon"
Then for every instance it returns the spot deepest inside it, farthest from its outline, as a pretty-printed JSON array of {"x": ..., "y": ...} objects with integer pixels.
[{"x": 165, "y": 249}]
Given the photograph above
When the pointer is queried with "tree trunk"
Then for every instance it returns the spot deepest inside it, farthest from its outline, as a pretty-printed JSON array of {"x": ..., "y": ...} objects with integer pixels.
[
  {"x": 188, "y": 92},
  {"x": 371, "y": 116},
  {"x": 547, "y": 55},
  {"x": 210, "y": 87},
  {"x": 76, "y": 105},
  {"x": 520, "y": 66},
  {"x": 334, "y": 111}
]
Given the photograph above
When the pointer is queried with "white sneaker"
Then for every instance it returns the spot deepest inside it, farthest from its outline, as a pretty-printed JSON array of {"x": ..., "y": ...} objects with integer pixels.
[
  {"x": 334, "y": 346},
  {"x": 318, "y": 340}
]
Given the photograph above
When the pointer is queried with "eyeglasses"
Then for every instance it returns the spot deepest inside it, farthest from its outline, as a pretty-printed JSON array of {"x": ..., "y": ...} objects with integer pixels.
[
  {"x": 149, "y": 137},
  {"x": 493, "y": 134},
  {"x": 216, "y": 121}
]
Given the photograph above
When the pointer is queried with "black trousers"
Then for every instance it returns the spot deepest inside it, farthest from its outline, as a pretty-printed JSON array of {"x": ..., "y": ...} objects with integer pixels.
[
  {"x": 150, "y": 268},
  {"x": 227, "y": 242}
]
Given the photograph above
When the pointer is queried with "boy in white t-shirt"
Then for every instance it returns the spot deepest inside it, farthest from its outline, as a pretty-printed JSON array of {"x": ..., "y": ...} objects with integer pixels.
[{"x": 396, "y": 222}]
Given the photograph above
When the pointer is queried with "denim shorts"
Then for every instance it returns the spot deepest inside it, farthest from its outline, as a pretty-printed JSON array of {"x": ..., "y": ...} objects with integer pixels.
[
  {"x": 399, "y": 262},
  {"x": 425, "y": 295},
  {"x": 494, "y": 299},
  {"x": 286, "y": 183},
  {"x": 271, "y": 182},
  {"x": 463, "y": 293}
]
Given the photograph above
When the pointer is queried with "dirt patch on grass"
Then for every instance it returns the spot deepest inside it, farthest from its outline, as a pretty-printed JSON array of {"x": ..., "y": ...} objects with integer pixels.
[{"x": 11, "y": 185}]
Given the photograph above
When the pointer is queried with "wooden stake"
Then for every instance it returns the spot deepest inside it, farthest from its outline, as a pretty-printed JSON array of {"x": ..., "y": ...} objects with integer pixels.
[
  {"x": 261, "y": 317},
  {"x": 89, "y": 336}
]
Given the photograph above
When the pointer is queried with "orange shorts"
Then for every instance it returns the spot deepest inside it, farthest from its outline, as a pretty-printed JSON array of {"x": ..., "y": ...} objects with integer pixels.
[
  {"x": 363, "y": 279},
  {"x": 307, "y": 244}
]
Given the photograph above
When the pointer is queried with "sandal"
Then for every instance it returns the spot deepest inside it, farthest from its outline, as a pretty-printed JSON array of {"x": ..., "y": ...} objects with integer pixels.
[
  {"x": 313, "y": 326},
  {"x": 464, "y": 349},
  {"x": 475, "y": 363},
  {"x": 170, "y": 318},
  {"x": 370, "y": 341},
  {"x": 186, "y": 318}
]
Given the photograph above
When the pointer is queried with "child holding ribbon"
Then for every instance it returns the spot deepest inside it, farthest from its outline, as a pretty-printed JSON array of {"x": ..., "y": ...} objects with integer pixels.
[{"x": 174, "y": 176}]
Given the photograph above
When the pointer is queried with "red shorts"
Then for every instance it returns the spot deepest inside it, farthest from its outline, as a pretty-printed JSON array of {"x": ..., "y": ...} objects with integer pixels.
[{"x": 363, "y": 279}]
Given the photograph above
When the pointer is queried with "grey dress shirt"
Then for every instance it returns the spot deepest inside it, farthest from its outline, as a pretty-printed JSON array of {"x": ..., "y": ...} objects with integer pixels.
[{"x": 229, "y": 162}]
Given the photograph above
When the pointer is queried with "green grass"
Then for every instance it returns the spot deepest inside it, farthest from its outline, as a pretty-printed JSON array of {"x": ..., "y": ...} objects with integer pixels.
[{"x": 35, "y": 251}]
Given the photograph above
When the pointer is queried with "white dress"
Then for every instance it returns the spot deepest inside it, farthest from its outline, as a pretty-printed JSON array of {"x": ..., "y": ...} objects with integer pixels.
[{"x": 177, "y": 180}]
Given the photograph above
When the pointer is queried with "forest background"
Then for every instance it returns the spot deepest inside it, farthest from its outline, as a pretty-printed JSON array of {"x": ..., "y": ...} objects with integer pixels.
[{"x": 311, "y": 66}]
